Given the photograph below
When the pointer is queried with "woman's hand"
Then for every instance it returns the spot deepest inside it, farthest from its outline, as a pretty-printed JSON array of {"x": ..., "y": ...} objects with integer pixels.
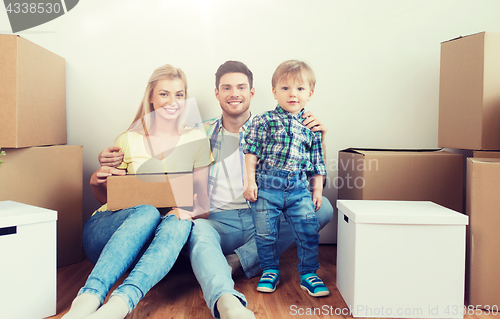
[
  {"x": 111, "y": 157},
  {"x": 99, "y": 179},
  {"x": 101, "y": 175}
]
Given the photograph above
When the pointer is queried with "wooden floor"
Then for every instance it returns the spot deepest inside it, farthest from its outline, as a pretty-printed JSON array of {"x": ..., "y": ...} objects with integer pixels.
[{"x": 179, "y": 296}]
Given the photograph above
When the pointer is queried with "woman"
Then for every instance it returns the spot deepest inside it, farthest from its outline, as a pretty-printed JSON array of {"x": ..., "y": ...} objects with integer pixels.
[{"x": 140, "y": 236}]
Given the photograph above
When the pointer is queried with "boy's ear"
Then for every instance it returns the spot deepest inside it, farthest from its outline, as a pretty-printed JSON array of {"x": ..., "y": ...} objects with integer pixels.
[
  {"x": 310, "y": 95},
  {"x": 274, "y": 92}
]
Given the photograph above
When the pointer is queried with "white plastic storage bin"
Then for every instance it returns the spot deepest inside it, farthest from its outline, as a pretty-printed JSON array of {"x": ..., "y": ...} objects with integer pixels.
[
  {"x": 401, "y": 259},
  {"x": 27, "y": 261}
]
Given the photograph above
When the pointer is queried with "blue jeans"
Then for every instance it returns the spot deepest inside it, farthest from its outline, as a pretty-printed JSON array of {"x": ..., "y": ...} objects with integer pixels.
[
  {"x": 229, "y": 232},
  {"x": 138, "y": 236},
  {"x": 285, "y": 193}
]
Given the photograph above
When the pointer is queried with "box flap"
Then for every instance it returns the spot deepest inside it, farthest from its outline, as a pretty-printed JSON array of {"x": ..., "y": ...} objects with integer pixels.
[
  {"x": 460, "y": 37},
  {"x": 16, "y": 214},
  {"x": 486, "y": 154},
  {"x": 483, "y": 160},
  {"x": 364, "y": 151},
  {"x": 399, "y": 212}
]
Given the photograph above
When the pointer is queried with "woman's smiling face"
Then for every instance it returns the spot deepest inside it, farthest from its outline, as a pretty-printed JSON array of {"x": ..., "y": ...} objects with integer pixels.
[{"x": 168, "y": 98}]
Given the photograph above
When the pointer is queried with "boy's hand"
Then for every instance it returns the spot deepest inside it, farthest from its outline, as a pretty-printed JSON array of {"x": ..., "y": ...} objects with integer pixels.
[
  {"x": 317, "y": 198},
  {"x": 111, "y": 157},
  {"x": 251, "y": 191},
  {"x": 317, "y": 193}
]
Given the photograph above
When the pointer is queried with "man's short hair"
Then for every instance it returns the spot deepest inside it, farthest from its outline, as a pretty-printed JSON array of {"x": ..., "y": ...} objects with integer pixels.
[
  {"x": 233, "y": 67},
  {"x": 295, "y": 69}
]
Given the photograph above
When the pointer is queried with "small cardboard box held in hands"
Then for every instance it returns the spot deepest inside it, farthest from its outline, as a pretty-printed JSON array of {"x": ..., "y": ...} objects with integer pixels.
[{"x": 159, "y": 190}]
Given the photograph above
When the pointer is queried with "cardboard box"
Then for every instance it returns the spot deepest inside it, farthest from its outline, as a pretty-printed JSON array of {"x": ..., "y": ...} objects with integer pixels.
[
  {"x": 483, "y": 204},
  {"x": 414, "y": 252},
  {"x": 159, "y": 190},
  {"x": 469, "y": 98},
  {"x": 32, "y": 94},
  {"x": 430, "y": 175},
  {"x": 486, "y": 154},
  {"x": 49, "y": 177},
  {"x": 28, "y": 267}
]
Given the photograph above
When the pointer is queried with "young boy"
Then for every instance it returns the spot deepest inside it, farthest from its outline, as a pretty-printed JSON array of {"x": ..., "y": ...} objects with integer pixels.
[{"x": 280, "y": 154}]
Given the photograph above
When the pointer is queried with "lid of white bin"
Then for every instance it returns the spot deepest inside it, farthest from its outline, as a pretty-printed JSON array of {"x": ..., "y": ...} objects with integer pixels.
[
  {"x": 400, "y": 212},
  {"x": 15, "y": 214}
]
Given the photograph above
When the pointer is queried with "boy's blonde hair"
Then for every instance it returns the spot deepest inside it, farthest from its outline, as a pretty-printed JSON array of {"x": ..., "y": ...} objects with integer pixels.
[{"x": 295, "y": 69}]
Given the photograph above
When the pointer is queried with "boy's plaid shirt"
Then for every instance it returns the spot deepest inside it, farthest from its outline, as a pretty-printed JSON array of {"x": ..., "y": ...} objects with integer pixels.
[
  {"x": 280, "y": 140},
  {"x": 213, "y": 128}
]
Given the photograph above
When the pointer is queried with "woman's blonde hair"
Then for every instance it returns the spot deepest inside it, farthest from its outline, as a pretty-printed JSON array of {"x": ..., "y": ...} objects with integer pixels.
[{"x": 144, "y": 118}]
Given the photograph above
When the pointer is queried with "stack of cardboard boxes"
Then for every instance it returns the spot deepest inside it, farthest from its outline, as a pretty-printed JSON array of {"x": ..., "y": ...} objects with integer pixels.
[
  {"x": 469, "y": 119},
  {"x": 38, "y": 168}
]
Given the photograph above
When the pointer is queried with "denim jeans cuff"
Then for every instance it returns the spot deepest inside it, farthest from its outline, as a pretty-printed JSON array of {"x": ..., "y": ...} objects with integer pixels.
[
  {"x": 213, "y": 302},
  {"x": 127, "y": 299},
  {"x": 247, "y": 269},
  {"x": 92, "y": 292},
  {"x": 307, "y": 271}
]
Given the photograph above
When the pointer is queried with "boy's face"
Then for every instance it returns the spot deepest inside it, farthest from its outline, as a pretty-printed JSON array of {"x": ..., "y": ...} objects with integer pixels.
[
  {"x": 234, "y": 94},
  {"x": 292, "y": 94}
]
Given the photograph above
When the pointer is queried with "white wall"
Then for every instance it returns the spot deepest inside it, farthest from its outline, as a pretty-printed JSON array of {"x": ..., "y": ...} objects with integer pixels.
[{"x": 376, "y": 62}]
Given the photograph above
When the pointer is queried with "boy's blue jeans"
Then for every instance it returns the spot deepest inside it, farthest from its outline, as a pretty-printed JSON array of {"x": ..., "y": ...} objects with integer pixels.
[
  {"x": 117, "y": 240},
  {"x": 228, "y": 232},
  {"x": 283, "y": 192}
]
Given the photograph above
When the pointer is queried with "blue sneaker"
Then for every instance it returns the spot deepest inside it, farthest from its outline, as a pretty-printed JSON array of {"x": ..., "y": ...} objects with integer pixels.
[
  {"x": 269, "y": 280},
  {"x": 314, "y": 286}
]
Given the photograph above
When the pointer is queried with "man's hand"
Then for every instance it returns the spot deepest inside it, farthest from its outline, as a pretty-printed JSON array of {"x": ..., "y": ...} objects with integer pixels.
[
  {"x": 101, "y": 175},
  {"x": 198, "y": 211},
  {"x": 314, "y": 123},
  {"x": 183, "y": 214},
  {"x": 251, "y": 191},
  {"x": 111, "y": 157}
]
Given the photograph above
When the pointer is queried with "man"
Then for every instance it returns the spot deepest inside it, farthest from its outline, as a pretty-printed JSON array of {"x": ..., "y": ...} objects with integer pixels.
[{"x": 229, "y": 230}]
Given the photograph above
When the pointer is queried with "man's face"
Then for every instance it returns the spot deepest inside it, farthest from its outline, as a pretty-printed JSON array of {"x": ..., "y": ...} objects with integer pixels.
[{"x": 234, "y": 94}]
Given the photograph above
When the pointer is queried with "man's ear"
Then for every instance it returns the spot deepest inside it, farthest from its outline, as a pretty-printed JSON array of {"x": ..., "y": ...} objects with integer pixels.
[
  {"x": 217, "y": 94},
  {"x": 252, "y": 92}
]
